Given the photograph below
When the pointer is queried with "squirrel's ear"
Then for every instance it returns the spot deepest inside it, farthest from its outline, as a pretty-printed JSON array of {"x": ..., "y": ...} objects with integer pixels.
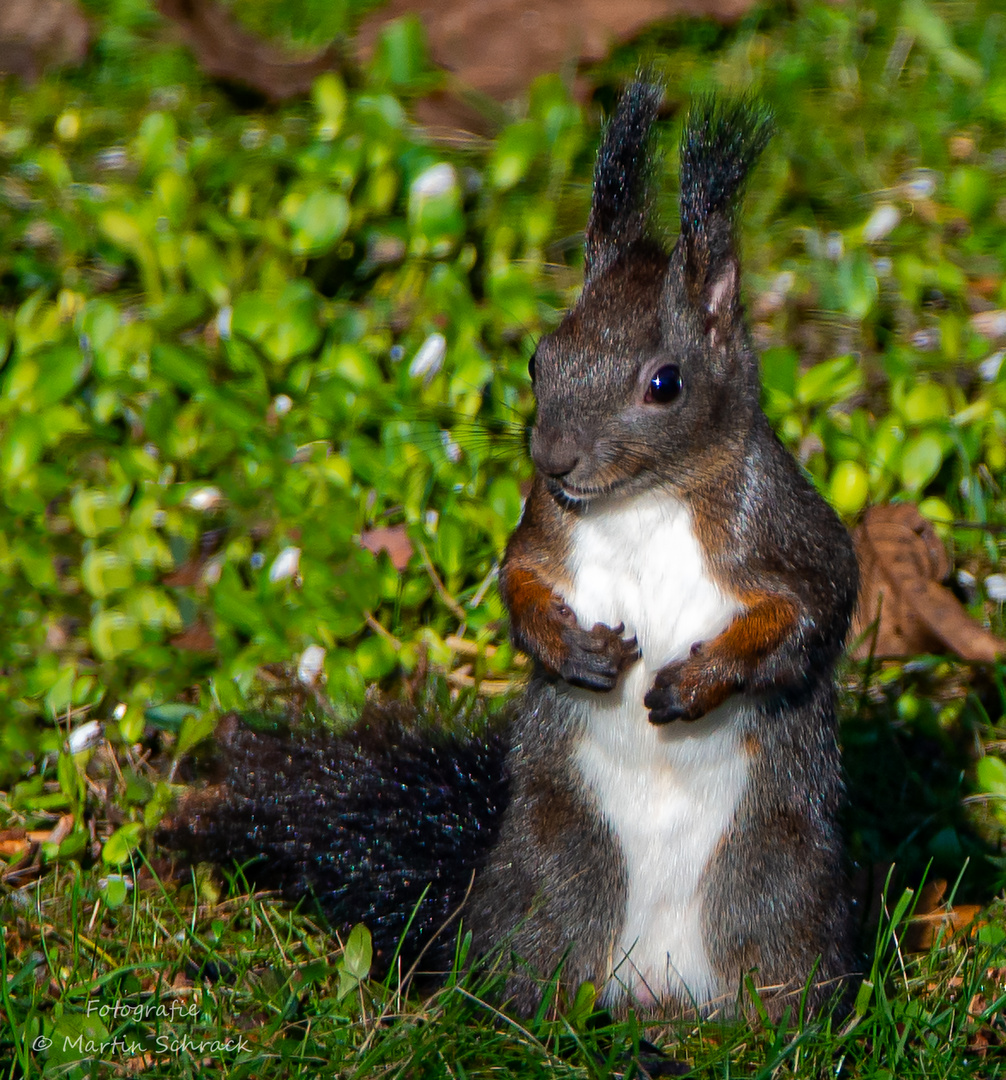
[
  {"x": 619, "y": 210},
  {"x": 720, "y": 290},
  {"x": 718, "y": 295},
  {"x": 719, "y": 147}
]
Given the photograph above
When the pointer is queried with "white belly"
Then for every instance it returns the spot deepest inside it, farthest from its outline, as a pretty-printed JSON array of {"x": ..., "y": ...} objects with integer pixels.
[{"x": 668, "y": 792}]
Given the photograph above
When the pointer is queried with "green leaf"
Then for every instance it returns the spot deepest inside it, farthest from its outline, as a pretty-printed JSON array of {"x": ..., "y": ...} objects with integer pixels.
[
  {"x": 75, "y": 1036},
  {"x": 114, "y": 891},
  {"x": 206, "y": 268},
  {"x": 400, "y": 57},
  {"x": 991, "y": 775},
  {"x": 515, "y": 150},
  {"x": 354, "y": 964},
  {"x": 925, "y": 403},
  {"x": 122, "y": 843},
  {"x": 195, "y": 727},
  {"x": 435, "y": 215},
  {"x": 991, "y": 934},
  {"x": 831, "y": 381},
  {"x": 329, "y": 94},
  {"x": 849, "y": 487},
  {"x": 21, "y": 448},
  {"x": 159, "y": 804},
  {"x": 583, "y": 1005},
  {"x": 863, "y": 996},
  {"x": 114, "y": 633},
  {"x": 920, "y": 461},
  {"x": 156, "y": 143},
  {"x": 970, "y": 190},
  {"x": 180, "y": 367},
  {"x": 359, "y": 952},
  {"x": 104, "y": 572},
  {"x": 451, "y": 545},
  {"x": 170, "y": 716},
  {"x": 285, "y": 326},
  {"x": 375, "y": 658},
  {"x": 123, "y": 230},
  {"x": 779, "y": 366},
  {"x": 61, "y": 370},
  {"x": 95, "y": 512},
  {"x": 318, "y": 221},
  {"x": 71, "y": 782},
  {"x": 934, "y": 34}
]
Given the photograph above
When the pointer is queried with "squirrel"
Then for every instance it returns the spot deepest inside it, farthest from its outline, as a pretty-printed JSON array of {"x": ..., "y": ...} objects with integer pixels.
[{"x": 660, "y": 815}]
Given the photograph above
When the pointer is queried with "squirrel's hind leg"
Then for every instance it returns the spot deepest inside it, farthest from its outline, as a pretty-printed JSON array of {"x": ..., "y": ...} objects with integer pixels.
[{"x": 776, "y": 896}]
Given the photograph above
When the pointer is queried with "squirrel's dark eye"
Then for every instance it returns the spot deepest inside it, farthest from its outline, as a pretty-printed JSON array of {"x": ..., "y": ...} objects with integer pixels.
[
  {"x": 665, "y": 385},
  {"x": 530, "y": 365}
]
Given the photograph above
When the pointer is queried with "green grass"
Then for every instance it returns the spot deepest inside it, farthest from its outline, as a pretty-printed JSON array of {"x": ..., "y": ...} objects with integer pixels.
[{"x": 165, "y": 975}]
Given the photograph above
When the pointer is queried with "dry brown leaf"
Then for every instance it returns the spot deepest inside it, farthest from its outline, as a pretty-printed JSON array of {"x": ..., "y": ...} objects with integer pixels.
[
  {"x": 56, "y": 835},
  {"x": 392, "y": 539},
  {"x": 13, "y": 842},
  {"x": 923, "y": 929},
  {"x": 932, "y": 916},
  {"x": 226, "y": 51},
  {"x": 497, "y": 47},
  {"x": 196, "y": 638},
  {"x": 63, "y": 829},
  {"x": 902, "y": 564},
  {"x": 977, "y": 1005},
  {"x": 189, "y": 573},
  {"x": 39, "y": 34},
  {"x": 987, "y": 285},
  {"x": 986, "y": 1035}
]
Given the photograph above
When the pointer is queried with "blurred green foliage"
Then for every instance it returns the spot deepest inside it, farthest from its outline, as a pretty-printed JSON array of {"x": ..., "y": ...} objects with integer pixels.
[{"x": 232, "y": 342}]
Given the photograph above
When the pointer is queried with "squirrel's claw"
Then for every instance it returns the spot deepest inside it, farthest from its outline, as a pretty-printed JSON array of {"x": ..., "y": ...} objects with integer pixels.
[{"x": 597, "y": 657}]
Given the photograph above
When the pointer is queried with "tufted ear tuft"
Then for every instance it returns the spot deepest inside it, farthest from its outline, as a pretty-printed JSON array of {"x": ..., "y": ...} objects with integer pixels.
[
  {"x": 620, "y": 207},
  {"x": 720, "y": 145}
]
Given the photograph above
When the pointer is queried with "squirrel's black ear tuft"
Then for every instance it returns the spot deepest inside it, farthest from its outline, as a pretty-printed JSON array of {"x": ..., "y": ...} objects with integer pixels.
[
  {"x": 620, "y": 207},
  {"x": 721, "y": 143}
]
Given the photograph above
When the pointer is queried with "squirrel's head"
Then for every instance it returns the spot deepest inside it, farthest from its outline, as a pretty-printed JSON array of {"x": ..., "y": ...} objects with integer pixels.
[{"x": 650, "y": 377}]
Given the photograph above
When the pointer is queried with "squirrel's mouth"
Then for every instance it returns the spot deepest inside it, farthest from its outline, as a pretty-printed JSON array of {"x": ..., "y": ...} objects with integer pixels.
[{"x": 571, "y": 496}]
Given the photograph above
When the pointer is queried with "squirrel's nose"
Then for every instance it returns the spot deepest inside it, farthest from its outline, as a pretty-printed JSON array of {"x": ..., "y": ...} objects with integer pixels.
[{"x": 555, "y": 454}]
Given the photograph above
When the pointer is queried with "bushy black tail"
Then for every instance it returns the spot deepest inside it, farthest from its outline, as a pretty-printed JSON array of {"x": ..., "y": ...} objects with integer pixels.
[{"x": 364, "y": 823}]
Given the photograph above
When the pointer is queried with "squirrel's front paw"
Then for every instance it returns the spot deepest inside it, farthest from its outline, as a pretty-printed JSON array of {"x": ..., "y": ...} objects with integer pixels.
[
  {"x": 595, "y": 658},
  {"x": 686, "y": 690}
]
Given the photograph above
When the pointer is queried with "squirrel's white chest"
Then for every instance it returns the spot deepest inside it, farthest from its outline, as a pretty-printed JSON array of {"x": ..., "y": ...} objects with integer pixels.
[{"x": 669, "y": 793}]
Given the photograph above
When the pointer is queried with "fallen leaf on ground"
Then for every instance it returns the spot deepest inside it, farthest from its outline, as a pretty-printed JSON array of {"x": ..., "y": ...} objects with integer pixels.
[
  {"x": 39, "y": 34},
  {"x": 189, "y": 573},
  {"x": 932, "y": 916},
  {"x": 13, "y": 842},
  {"x": 497, "y": 47},
  {"x": 393, "y": 539},
  {"x": 490, "y": 48},
  {"x": 902, "y": 565},
  {"x": 196, "y": 638},
  {"x": 226, "y": 51}
]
